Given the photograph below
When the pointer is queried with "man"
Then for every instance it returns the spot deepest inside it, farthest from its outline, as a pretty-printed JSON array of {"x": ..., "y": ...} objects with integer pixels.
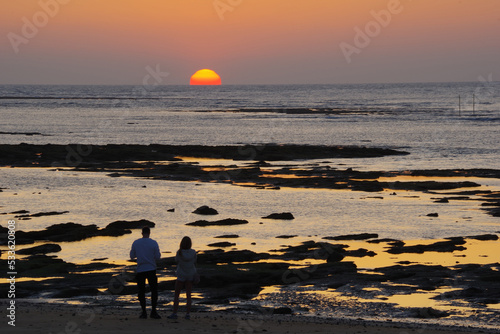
[{"x": 147, "y": 252}]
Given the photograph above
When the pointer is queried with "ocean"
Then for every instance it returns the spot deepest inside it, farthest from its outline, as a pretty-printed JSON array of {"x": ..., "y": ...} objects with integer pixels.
[{"x": 441, "y": 125}]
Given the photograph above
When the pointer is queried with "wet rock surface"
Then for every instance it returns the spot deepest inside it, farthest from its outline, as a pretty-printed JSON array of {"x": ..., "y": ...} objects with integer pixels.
[
  {"x": 222, "y": 222},
  {"x": 205, "y": 210},
  {"x": 76, "y": 232},
  {"x": 451, "y": 245},
  {"x": 281, "y": 216}
]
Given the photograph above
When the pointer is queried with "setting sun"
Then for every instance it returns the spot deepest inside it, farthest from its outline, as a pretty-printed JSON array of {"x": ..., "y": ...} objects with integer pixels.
[{"x": 205, "y": 77}]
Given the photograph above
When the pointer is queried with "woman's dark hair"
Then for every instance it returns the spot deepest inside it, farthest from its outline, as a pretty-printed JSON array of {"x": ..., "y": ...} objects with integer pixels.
[{"x": 185, "y": 243}]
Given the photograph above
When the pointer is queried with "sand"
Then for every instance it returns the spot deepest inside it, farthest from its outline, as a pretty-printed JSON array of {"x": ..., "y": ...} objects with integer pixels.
[{"x": 69, "y": 319}]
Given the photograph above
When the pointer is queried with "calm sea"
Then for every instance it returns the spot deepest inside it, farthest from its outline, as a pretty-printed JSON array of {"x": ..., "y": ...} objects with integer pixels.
[{"x": 423, "y": 119}]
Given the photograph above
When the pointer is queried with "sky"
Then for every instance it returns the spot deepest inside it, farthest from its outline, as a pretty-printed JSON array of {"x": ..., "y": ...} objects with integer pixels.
[{"x": 248, "y": 41}]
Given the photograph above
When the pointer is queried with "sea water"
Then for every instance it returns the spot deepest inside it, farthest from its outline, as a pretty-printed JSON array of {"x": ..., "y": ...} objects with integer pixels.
[{"x": 423, "y": 119}]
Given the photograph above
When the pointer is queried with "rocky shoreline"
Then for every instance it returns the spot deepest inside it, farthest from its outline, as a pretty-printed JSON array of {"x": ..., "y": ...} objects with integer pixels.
[
  {"x": 268, "y": 166},
  {"x": 235, "y": 280}
]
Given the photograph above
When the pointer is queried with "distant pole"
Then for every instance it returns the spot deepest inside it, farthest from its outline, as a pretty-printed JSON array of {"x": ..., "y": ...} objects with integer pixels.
[
  {"x": 459, "y": 106},
  {"x": 474, "y": 104}
]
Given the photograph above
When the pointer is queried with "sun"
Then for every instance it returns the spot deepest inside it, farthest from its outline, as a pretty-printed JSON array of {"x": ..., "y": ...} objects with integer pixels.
[{"x": 205, "y": 77}]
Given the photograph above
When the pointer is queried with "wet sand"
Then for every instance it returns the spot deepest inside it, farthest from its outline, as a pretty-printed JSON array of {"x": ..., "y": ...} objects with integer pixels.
[{"x": 48, "y": 318}]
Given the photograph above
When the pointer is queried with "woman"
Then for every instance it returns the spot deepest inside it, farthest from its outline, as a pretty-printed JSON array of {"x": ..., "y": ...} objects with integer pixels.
[{"x": 186, "y": 272}]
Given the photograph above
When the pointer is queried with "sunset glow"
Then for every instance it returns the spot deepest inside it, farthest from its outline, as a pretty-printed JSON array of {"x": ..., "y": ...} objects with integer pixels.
[{"x": 205, "y": 77}]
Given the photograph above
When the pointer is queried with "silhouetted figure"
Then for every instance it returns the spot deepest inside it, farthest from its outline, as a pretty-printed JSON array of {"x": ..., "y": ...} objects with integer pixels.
[
  {"x": 147, "y": 252},
  {"x": 186, "y": 272}
]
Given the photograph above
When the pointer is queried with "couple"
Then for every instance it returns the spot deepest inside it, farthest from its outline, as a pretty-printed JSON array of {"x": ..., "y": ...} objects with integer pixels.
[{"x": 147, "y": 252}]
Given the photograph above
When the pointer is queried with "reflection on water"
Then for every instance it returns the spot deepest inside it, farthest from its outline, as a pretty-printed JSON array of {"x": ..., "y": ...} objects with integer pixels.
[{"x": 93, "y": 198}]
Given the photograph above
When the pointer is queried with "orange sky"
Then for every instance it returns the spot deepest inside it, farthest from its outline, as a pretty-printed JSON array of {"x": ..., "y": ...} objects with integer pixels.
[{"x": 248, "y": 41}]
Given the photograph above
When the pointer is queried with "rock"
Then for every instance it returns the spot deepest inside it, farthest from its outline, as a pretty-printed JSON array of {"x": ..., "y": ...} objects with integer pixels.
[
  {"x": 361, "y": 236},
  {"x": 171, "y": 210},
  {"x": 442, "y": 200},
  {"x": 286, "y": 236},
  {"x": 334, "y": 257},
  {"x": 76, "y": 292},
  {"x": 222, "y": 244},
  {"x": 205, "y": 210},
  {"x": 367, "y": 186},
  {"x": 223, "y": 222},
  {"x": 227, "y": 236},
  {"x": 19, "y": 212},
  {"x": 388, "y": 240},
  {"x": 43, "y": 266},
  {"x": 217, "y": 256},
  {"x": 283, "y": 216},
  {"x": 282, "y": 310},
  {"x": 430, "y": 185},
  {"x": 362, "y": 252},
  {"x": 429, "y": 313},
  {"x": 135, "y": 224},
  {"x": 451, "y": 245},
  {"x": 40, "y": 214},
  {"x": 42, "y": 249},
  {"x": 434, "y": 214},
  {"x": 484, "y": 237}
]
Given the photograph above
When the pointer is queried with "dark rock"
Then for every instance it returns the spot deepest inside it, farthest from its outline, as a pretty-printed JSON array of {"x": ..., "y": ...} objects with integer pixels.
[
  {"x": 282, "y": 310},
  {"x": 434, "y": 214},
  {"x": 223, "y": 222},
  {"x": 361, "y": 236},
  {"x": 367, "y": 186},
  {"x": 484, "y": 237},
  {"x": 112, "y": 232},
  {"x": 430, "y": 185},
  {"x": 42, "y": 249},
  {"x": 420, "y": 275},
  {"x": 205, "y": 210},
  {"x": 442, "y": 200},
  {"x": 124, "y": 224},
  {"x": 441, "y": 246},
  {"x": 220, "y": 256},
  {"x": 41, "y": 214},
  {"x": 335, "y": 257},
  {"x": 76, "y": 292},
  {"x": 227, "y": 236},
  {"x": 429, "y": 313},
  {"x": 221, "y": 244},
  {"x": 43, "y": 266},
  {"x": 362, "y": 252},
  {"x": 171, "y": 210},
  {"x": 378, "y": 241},
  {"x": 286, "y": 236},
  {"x": 19, "y": 212},
  {"x": 283, "y": 216}
]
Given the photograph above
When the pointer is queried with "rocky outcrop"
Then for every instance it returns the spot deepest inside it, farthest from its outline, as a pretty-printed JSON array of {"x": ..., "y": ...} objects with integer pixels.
[
  {"x": 42, "y": 249},
  {"x": 223, "y": 222},
  {"x": 282, "y": 216},
  {"x": 361, "y": 236},
  {"x": 205, "y": 210}
]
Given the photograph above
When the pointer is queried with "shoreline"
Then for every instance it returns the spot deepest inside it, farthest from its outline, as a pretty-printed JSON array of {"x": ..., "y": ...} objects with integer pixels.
[
  {"x": 31, "y": 317},
  {"x": 301, "y": 276}
]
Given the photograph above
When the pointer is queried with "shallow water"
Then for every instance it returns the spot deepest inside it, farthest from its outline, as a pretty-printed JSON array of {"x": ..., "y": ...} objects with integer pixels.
[{"x": 94, "y": 198}]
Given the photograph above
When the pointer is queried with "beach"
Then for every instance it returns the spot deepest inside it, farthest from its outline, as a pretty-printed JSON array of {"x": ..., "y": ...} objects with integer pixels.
[
  {"x": 385, "y": 217},
  {"x": 364, "y": 279},
  {"x": 43, "y": 318}
]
